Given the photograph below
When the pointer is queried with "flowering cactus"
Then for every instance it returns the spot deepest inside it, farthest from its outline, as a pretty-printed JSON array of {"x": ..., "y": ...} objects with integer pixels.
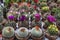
[
  {"x": 36, "y": 32},
  {"x": 8, "y": 32},
  {"x": 52, "y": 29}
]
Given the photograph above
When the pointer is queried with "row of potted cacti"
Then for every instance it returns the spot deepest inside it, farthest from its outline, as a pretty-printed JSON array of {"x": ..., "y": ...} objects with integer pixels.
[
  {"x": 20, "y": 13},
  {"x": 35, "y": 12},
  {"x": 36, "y": 33}
]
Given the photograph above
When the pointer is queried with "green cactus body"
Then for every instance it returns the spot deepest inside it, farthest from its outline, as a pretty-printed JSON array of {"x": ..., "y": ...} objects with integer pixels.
[
  {"x": 22, "y": 32},
  {"x": 43, "y": 4},
  {"x": 52, "y": 30},
  {"x": 36, "y": 33},
  {"x": 54, "y": 10},
  {"x": 12, "y": 24},
  {"x": 8, "y": 32},
  {"x": 45, "y": 8}
]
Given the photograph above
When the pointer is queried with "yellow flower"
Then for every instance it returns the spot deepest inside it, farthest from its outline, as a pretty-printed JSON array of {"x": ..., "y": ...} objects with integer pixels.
[{"x": 57, "y": 29}]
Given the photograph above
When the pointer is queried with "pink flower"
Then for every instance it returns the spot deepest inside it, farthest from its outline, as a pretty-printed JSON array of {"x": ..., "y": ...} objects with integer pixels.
[{"x": 51, "y": 18}]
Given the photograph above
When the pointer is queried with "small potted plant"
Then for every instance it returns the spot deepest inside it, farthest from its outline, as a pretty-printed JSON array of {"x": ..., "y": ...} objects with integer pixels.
[
  {"x": 36, "y": 33},
  {"x": 22, "y": 33},
  {"x": 36, "y": 20},
  {"x": 52, "y": 32},
  {"x": 45, "y": 8},
  {"x": 8, "y": 33}
]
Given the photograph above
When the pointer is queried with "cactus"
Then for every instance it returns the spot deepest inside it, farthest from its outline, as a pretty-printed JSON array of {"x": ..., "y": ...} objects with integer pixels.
[
  {"x": 8, "y": 32},
  {"x": 54, "y": 10},
  {"x": 12, "y": 24},
  {"x": 45, "y": 8},
  {"x": 43, "y": 4},
  {"x": 52, "y": 30},
  {"x": 36, "y": 32},
  {"x": 22, "y": 32}
]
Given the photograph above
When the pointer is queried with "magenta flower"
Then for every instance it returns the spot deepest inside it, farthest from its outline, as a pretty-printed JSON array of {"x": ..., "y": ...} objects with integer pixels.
[
  {"x": 51, "y": 18},
  {"x": 37, "y": 16},
  {"x": 22, "y": 18},
  {"x": 11, "y": 17}
]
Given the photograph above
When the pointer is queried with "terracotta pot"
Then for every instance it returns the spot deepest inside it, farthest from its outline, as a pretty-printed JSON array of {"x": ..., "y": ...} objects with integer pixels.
[
  {"x": 4, "y": 38},
  {"x": 19, "y": 38},
  {"x": 40, "y": 38},
  {"x": 50, "y": 37}
]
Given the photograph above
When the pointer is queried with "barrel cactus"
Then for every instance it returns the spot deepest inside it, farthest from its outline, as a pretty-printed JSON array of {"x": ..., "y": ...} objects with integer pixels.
[
  {"x": 22, "y": 32},
  {"x": 12, "y": 24},
  {"x": 54, "y": 10},
  {"x": 45, "y": 8},
  {"x": 8, "y": 32},
  {"x": 36, "y": 32},
  {"x": 43, "y": 4},
  {"x": 52, "y": 30}
]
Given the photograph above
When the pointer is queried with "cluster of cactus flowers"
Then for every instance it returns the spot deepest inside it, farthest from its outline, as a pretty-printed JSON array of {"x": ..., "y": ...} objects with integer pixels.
[{"x": 52, "y": 30}]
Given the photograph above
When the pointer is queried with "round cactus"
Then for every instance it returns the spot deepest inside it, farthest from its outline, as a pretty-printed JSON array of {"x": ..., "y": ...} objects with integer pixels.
[
  {"x": 45, "y": 8},
  {"x": 12, "y": 24},
  {"x": 36, "y": 31},
  {"x": 22, "y": 32},
  {"x": 54, "y": 10},
  {"x": 52, "y": 30},
  {"x": 43, "y": 4},
  {"x": 8, "y": 32}
]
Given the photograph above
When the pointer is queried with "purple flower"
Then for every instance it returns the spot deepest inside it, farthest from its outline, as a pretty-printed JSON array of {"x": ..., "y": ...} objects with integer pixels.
[
  {"x": 11, "y": 17},
  {"x": 22, "y": 18},
  {"x": 37, "y": 16},
  {"x": 51, "y": 18}
]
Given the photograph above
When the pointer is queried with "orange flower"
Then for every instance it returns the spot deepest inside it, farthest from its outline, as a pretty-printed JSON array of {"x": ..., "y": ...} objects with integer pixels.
[{"x": 37, "y": 27}]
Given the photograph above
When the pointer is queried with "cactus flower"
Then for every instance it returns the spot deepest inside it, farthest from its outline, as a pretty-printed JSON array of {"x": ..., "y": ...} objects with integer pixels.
[{"x": 51, "y": 18}]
